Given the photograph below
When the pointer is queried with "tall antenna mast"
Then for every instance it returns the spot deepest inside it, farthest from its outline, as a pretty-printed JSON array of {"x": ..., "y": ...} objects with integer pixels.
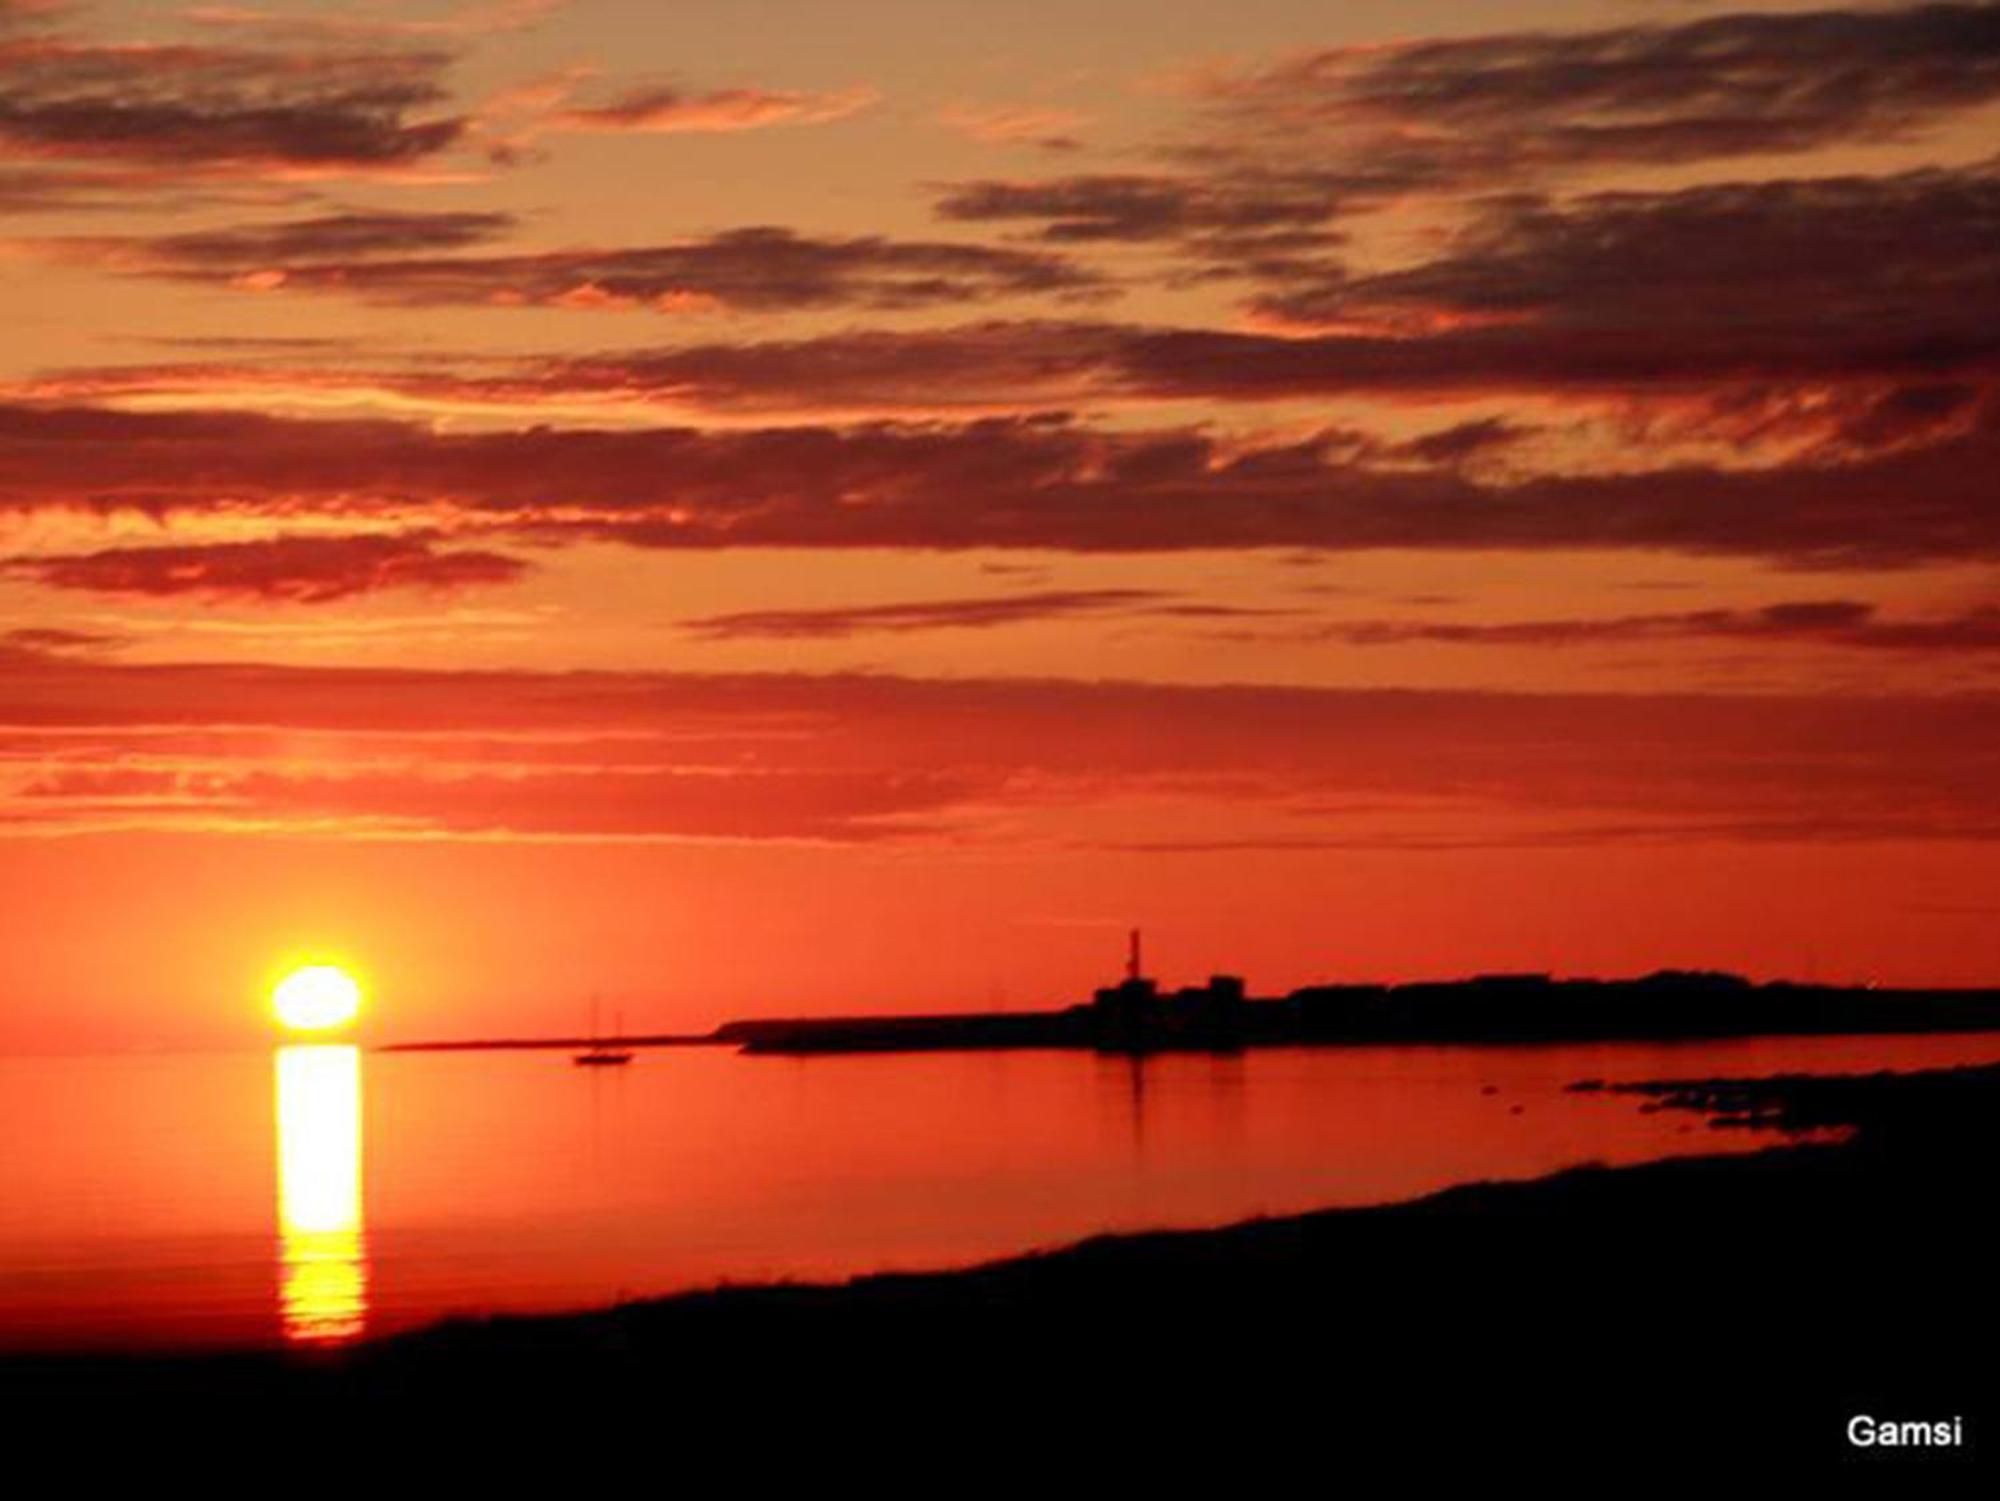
[{"x": 1132, "y": 967}]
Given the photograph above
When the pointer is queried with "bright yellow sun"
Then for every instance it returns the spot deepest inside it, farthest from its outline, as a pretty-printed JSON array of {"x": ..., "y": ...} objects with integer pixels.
[{"x": 316, "y": 998}]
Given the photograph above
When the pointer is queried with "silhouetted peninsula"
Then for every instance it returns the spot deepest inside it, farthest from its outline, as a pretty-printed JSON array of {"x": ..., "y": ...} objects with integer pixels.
[{"x": 1137, "y": 1016}]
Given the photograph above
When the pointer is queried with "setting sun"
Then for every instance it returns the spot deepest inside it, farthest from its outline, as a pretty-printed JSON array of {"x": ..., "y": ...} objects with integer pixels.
[{"x": 316, "y": 998}]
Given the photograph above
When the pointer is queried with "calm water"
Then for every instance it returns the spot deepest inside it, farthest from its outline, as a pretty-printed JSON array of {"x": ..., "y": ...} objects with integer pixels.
[{"x": 318, "y": 1194}]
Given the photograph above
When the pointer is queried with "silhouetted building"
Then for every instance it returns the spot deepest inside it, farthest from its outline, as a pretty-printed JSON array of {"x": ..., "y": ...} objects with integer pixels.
[
  {"x": 1207, "y": 1016},
  {"x": 1134, "y": 1017},
  {"x": 1124, "y": 1016}
]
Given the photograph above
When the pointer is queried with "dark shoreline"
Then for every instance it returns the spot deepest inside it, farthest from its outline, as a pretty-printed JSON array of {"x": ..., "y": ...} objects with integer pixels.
[{"x": 1738, "y": 1306}]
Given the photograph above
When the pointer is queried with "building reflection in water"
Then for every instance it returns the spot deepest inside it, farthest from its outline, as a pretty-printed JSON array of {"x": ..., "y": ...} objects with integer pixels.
[{"x": 323, "y": 1253}]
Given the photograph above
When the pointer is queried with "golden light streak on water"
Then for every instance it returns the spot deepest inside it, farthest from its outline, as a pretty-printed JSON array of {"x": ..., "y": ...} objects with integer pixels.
[{"x": 323, "y": 1256}]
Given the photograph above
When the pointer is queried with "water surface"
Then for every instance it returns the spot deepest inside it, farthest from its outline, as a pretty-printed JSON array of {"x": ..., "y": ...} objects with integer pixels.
[{"x": 317, "y": 1194}]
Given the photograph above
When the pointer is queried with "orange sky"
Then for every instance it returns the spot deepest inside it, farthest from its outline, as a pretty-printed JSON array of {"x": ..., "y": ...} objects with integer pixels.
[{"x": 780, "y": 507}]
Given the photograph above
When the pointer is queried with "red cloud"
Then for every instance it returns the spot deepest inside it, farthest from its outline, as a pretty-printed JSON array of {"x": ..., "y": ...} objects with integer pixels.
[
  {"x": 1832, "y": 622},
  {"x": 282, "y": 570},
  {"x": 754, "y": 270},
  {"x": 1709, "y": 87},
  {"x": 1281, "y": 157},
  {"x": 1016, "y": 483},
  {"x": 1018, "y": 125},
  {"x": 187, "y": 111},
  {"x": 672, "y": 111},
  {"x": 671, "y": 755},
  {"x": 925, "y": 615}
]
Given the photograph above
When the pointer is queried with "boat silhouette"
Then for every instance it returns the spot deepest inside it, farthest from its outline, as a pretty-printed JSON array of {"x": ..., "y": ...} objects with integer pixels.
[{"x": 601, "y": 1053}]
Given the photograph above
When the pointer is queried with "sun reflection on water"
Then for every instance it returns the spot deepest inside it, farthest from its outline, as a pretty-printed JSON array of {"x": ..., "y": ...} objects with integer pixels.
[{"x": 323, "y": 1289}]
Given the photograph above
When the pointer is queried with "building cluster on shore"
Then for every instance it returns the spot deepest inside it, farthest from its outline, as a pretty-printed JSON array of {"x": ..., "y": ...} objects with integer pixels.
[{"x": 1134, "y": 1016}]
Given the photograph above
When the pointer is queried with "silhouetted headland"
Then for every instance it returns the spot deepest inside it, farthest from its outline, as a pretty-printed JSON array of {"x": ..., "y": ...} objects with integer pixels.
[
  {"x": 1134, "y": 1016},
  {"x": 1137, "y": 1016}
]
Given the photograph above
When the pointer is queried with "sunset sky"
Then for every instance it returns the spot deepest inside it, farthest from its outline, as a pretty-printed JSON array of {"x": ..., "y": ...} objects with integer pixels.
[{"x": 806, "y": 505}]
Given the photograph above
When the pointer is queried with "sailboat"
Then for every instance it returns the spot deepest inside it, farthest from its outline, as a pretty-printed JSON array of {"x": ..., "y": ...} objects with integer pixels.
[{"x": 600, "y": 1053}]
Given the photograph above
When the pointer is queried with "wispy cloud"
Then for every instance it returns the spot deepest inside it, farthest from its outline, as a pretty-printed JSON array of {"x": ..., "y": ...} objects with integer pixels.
[
  {"x": 1034, "y": 482},
  {"x": 86, "y": 742},
  {"x": 665, "y": 110},
  {"x": 191, "y": 111},
  {"x": 1277, "y": 162},
  {"x": 1832, "y": 622},
  {"x": 279, "y": 570},
  {"x": 745, "y": 270},
  {"x": 922, "y": 615},
  {"x": 1444, "y": 111},
  {"x": 1042, "y": 126},
  {"x": 473, "y": 18}
]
